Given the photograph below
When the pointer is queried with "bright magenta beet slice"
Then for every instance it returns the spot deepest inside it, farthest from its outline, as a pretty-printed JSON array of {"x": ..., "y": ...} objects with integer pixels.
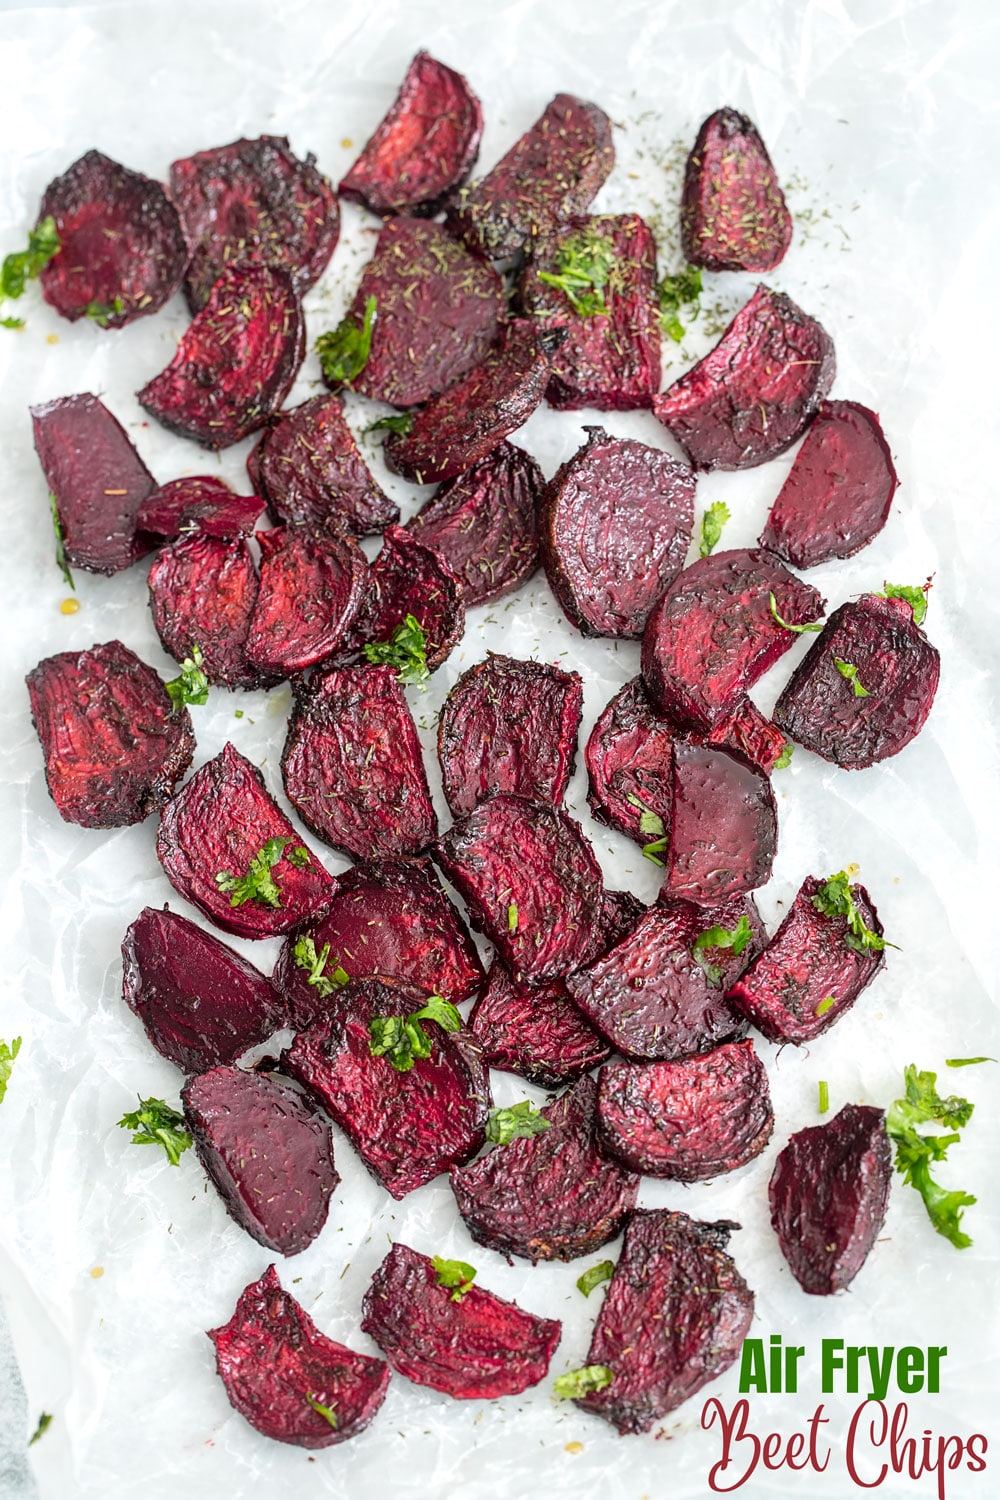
[
  {"x": 202, "y": 592},
  {"x": 408, "y": 577},
  {"x": 733, "y": 212},
  {"x": 723, "y": 826},
  {"x": 629, "y": 756},
  {"x": 534, "y": 1030},
  {"x": 311, "y": 587}
]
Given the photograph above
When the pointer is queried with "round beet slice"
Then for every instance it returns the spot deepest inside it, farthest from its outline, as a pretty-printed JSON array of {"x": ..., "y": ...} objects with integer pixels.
[
  {"x": 199, "y": 503},
  {"x": 202, "y": 592},
  {"x": 534, "y": 1030},
  {"x": 311, "y": 586},
  {"x": 629, "y": 756},
  {"x": 723, "y": 826},
  {"x": 733, "y": 212},
  {"x": 409, "y": 578}
]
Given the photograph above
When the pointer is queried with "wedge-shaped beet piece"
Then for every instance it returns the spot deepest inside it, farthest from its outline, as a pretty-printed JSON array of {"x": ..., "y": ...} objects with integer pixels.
[
  {"x": 237, "y": 361},
  {"x": 733, "y": 213},
  {"x": 223, "y": 827},
  {"x": 723, "y": 826},
  {"x": 756, "y": 391},
  {"x": 534, "y": 1030},
  {"x": 407, "y": 1127},
  {"x": 409, "y": 578},
  {"x": 746, "y": 730},
  {"x": 122, "y": 249},
  {"x": 202, "y": 592},
  {"x": 629, "y": 755},
  {"x": 509, "y": 726},
  {"x": 426, "y": 145},
  {"x": 254, "y": 203},
  {"x": 615, "y": 525},
  {"x": 674, "y": 1316},
  {"x": 551, "y": 1196},
  {"x": 199, "y": 503},
  {"x": 352, "y": 765},
  {"x": 873, "y": 645},
  {"x": 275, "y": 1364},
  {"x": 552, "y": 172},
  {"x": 201, "y": 1003},
  {"x": 713, "y": 633},
  {"x": 311, "y": 586},
  {"x": 98, "y": 480}
]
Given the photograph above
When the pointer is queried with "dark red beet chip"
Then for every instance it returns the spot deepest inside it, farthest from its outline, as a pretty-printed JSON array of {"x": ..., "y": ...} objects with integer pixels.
[
  {"x": 629, "y": 756},
  {"x": 237, "y": 361},
  {"x": 745, "y": 730},
  {"x": 534, "y": 1030},
  {"x": 409, "y": 578},
  {"x": 201, "y": 1003},
  {"x": 217, "y": 825},
  {"x": 615, "y": 524},
  {"x": 202, "y": 592},
  {"x": 756, "y": 391},
  {"x": 352, "y": 765},
  {"x": 674, "y": 1316},
  {"x": 275, "y": 1363},
  {"x": 311, "y": 587},
  {"x": 122, "y": 249},
  {"x": 201, "y": 504},
  {"x": 723, "y": 826},
  {"x": 733, "y": 213},
  {"x": 474, "y": 1348},
  {"x": 114, "y": 744},
  {"x": 551, "y": 1196},
  {"x": 98, "y": 480},
  {"x": 509, "y": 726},
  {"x": 426, "y": 145},
  {"x": 890, "y": 657}
]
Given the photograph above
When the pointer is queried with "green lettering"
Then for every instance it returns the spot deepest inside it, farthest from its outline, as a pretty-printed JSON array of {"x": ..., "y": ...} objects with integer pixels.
[
  {"x": 753, "y": 1376},
  {"x": 880, "y": 1371},
  {"x": 831, "y": 1360},
  {"x": 910, "y": 1370},
  {"x": 935, "y": 1354}
]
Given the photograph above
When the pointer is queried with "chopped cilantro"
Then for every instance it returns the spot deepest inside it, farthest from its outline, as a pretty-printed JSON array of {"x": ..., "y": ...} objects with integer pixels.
[
  {"x": 673, "y": 293},
  {"x": 44, "y": 1423},
  {"x": 649, "y": 821},
  {"x": 306, "y": 957},
  {"x": 785, "y": 758},
  {"x": 7, "y": 1056},
  {"x": 653, "y": 851},
  {"x": 258, "y": 884},
  {"x": 512, "y": 918},
  {"x": 401, "y": 424},
  {"x": 343, "y": 352},
  {"x": 834, "y": 899},
  {"x": 799, "y": 629},
  {"x": 102, "y": 311},
  {"x": 916, "y": 1153},
  {"x": 966, "y": 1062},
  {"x": 824, "y": 1096},
  {"x": 513, "y": 1124},
  {"x": 22, "y": 266},
  {"x": 406, "y": 650},
  {"x": 454, "y": 1273},
  {"x": 915, "y": 598},
  {"x": 712, "y": 523},
  {"x": 580, "y": 1382},
  {"x": 849, "y": 670},
  {"x": 155, "y": 1123},
  {"x": 824, "y": 1005},
  {"x": 583, "y": 269},
  {"x": 603, "y": 1271},
  {"x": 324, "y": 1411},
  {"x": 192, "y": 685},
  {"x": 402, "y": 1039},
  {"x": 735, "y": 939},
  {"x": 62, "y": 562}
]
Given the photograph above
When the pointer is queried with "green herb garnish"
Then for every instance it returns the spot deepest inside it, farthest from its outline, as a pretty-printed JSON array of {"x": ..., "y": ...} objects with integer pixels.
[
  {"x": 62, "y": 561},
  {"x": 916, "y": 1154},
  {"x": 603, "y": 1271},
  {"x": 649, "y": 821},
  {"x": 192, "y": 685},
  {"x": 824, "y": 1005},
  {"x": 324, "y": 1411},
  {"x": 454, "y": 1273},
  {"x": 834, "y": 899},
  {"x": 673, "y": 293},
  {"x": 915, "y": 598},
  {"x": 512, "y": 918},
  {"x": 735, "y": 938},
  {"x": 306, "y": 957},
  {"x": 7, "y": 1056},
  {"x": 849, "y": 670},
  {"x": 653, "y": 851},
  {"x": 712, "y": 523},
  {"x": 406, "y": 650},
  {"x": 581, "y": 1382},
  {"x": 343, "y": 352},
  {"x": 102, "y": 311},
  {"x": 401, "y": 424},
  {"x": 156, "y": 1124},
  {"x": 824, "y": 1096},
  {"x": 44, "y": 1423},
  {"x": 785, "y": 757},
  {"x": 966, "y": 1062},
  {"x": 516, "y": 1123},
  {"x": 583, "y": 269},
  {"x": 24, "y": 265},
  {"x": 799, "y": 629},
  {"x": 258, "y": 884},
  {"x": 402, "y": 1039}
]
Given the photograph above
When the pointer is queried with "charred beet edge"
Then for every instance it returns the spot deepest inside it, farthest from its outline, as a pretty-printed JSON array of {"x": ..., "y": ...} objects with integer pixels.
[
  {"x": 202, "y": 504},
  {"x": 723, "y": 826},
  {"x": 829, "y": 1192},
  {"x": 115, "y": 747},
  {"x": 277, "y": 1367},
  {"x": 534, "y": 1030},
  {"x": 202, "y": 592},
  {"x": 311, "y": 586},
  {"x": 409, "y": 578},
  {"x": 629, "y": 756},
  {"x": 756, "y": 391},
  {"x": 745, "y": 730},
  {"x": 733, "y": 212}
]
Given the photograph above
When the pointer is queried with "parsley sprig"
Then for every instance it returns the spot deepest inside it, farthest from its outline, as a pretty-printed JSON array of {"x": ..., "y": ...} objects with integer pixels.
[
  {"x": 799, "y": 629},
  {"x": 917, "y": 1154},
  {"x": 603, "y": 1271},
  {"x": 258, "y": 884},
  {"x": 712, "y": 523},
  {"x": 192, "y": 684},
  {"x": 402, "y": 424},
  {"x": 7, "y": 1056},
  {"x": 675, "y": 292},
  {"x": 581, "y": 1382},
  {"x": 406, "y": 650},
  {"x": 915, "y": 598},
  {"x": 100, "y": 312},
  {"x": 834, "y": 899},
  {"x": 155, "y": 1123},
  {"x": 735, "y": 939},
  {"x": 457, "y": 1274},
  {"x": 402, "y": 1039},
  {"x": 516, "y": 1123},
  {"x": 649, "y": 821},
  {"x": 23, "y": 266},
  {"x": 849, "y": 670},
  {"x": 343, "y": 352},
  {"x": 306, "y": 957},
  {"x": 583, "y": 269}
]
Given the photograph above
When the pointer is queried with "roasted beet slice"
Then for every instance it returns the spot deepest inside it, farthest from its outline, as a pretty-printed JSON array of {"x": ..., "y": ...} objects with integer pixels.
[
  {"x": 237, "y": 361},
  {"x": 202, "y": 592},
  {"x": 115, "y": 745},
  {"x": 200, "y": 503},
  {"x": 713, "y": 633},
  {"x": 674, "y": 1316},
  {"x": 473, "y": 1347},
  {"x": 509, "y": 726},
  {"x": 629, "y": 755},
  {"x": 426, "y": 145},
  {"x": 352, "y": 765},
  {"x": 98, "y": 480},
  {"x": 201, "y": 1003},
  {"x": 756, "y": 391},
  {"x": 534, "y": 1030},
  {"x": 733, "y": 213},
  {"x": 407, "y": 1127},
  {"x": 311, "y": 586},
  {"x": 224, "y": 826},
  {"x": 615, "y": 525},
  {"x": 746, "y": 730},
  {"x": 122, "y": 249},
  {"x": 275, "y": 1364},
  {"x": 723, "y": 826},
  {"x": 881, "y": 650},
  {"x": 409, "y": 578},
  {"x": 254, "y": 203}
]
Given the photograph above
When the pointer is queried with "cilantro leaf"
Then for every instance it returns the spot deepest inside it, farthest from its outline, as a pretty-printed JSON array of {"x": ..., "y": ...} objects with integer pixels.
[
  {"x": 673, "y": 293},
  {"x": 712, "y": 523},
  {"x": 23, "y": 266},
  {"x": 584, "y": 266},
  {"x": 402, "y": 1039},
  {"x": 401, "y": 424},
  {"x": 258, "y": 884},
  {"x": 785, "y": 758},
  {"x": 923, "y": 1103},
  {"x": 735, "y": 939},
  {"x": 324, "y": 1411},
  {"x": 343, "y": 352},
  {"x": 44, "y": 1423},
  {"x": 653, "y": 851},
  {"x": 827, "y": 1003},
  {"x": 7, "y": 1056},
  {"x": 406, "y": 650},
  {"x": 603, "y": 1271},
  {"x": 915, "y": 598},
  {"x": 512, "y": 917},
  {"x": 799, "y": 629},
  {"x": 192, "y": 685},
  {"x": 306, "y": 957},
  {"x": 849, "y": 670},
  {"x": 102, "y": 311},
  {"x": 580, "y": 1382},
  {"x": 649, "y": 821},
  {"x": 835, "y": 899},
  {"x": 917, "y": 1153},
  {"x": 454, "y": 1273},
  {"x": 824, "y": 1096},
  {"x": 966, "y": 1062},
  {"x": 155, "y": 1123},
  {"x": 62, "y": 562},
  {"x": 516, "y": 1123}
]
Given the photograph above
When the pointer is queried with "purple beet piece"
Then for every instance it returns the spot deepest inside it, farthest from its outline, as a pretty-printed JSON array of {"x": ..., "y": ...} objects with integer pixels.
[
  {"x": 114, "y": 744},
  {"x": 756, "y": 391},
  {"x": 409, "y": 578},
  {"x": 534, "y": 1030},
  {"x": 219, "y": 825},
  {"x": 199, "y": 503},
  {"x": 629, "y": 756},
  {"x": 888, "y": 655},
  {"x": 746, "y": 730},
  {"x": 201, "y": 1003},
  {"x": 352, "y": 765},
  {"x": 615, "y": 524},
  {"x": 473, "y": 1347},
  {"x": 723, "y": 826},
  {"x": 407, "y": 1127},
  {"x": 311, "y": 587},
  {"x": 275, "y": 1364},
  {"x": 733, "y": 212},
  {"x": 202, "y": 592},
  {"x": 98, "y": 480},
  {"x": 236, "y": 362},
  {"x": 122, "y": 248}
]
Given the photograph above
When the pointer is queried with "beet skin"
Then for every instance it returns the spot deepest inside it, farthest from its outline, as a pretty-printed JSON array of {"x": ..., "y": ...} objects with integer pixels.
[
  {"x": 198, "y": 503},
  {"x": 202, "y": 592},
  {"x": 733, "y": 212}
]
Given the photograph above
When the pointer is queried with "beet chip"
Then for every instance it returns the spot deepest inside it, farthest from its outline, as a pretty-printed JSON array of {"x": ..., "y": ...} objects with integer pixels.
[
  {"x": 122, "y": 249},
  {"x": 674, "y": 1316},
  {"x": 278, "y": 1369},
  {"x": 723, "y": 826},
  {"x": 237, "y": 361},
  {"x": 756, "y": 391},
  {"x": 409, "y": 578},
  {"x": 311, "y": 586},
  {"x": 745, "y": 730},
  {"x": 202, "y": 592},
  {"x": 733, "y": 213},
  {"x": 472, "y": 1345},
  {"x": 534, "y": 1030},
  {"x": 201, "y": 504},
  {"x": 629, "y": 757}
]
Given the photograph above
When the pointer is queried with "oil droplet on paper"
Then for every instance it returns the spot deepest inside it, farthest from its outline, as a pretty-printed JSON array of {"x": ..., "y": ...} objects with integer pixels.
[
  {"x": 97, "y": 1273},
  {"x": 69, "y": 607}
]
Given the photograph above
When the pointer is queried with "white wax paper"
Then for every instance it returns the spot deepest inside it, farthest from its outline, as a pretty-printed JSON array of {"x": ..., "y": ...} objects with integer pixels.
[{"x": 881, "y": 119}]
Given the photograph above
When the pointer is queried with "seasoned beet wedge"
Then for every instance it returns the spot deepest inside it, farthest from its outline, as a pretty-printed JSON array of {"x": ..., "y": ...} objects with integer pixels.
[
  {"x": 756, "y": 391},
  {"x": 216, "y": 826},
  {"x": 389, "y": 917},
  {"x": 426, "y": 145},
  {"x": 712, "y": 635},
  {"x": 352, "y": 765},
  {"x": 723, "y": 826},
  {"x": 733, "y": 213},
  {"x": 551, "y": 1196},
  {"x": 674, "y": 1316},
  {"x": 474, "y": 1348},
  {"x": 269, "y": 1154},
  {"x": 311, "y": 586},
  {"x": 237, "y": 361},
  {"x": 615, "y": 525},
  {"x": 509, "y": 726},
  {"x": 98, "y": 480},
  {"x": 202, "y": 592},
  {"x": 200, "y": 503},
  {"x": 406, "y": 1127},
  {"x": 745, "y": 730},
  {"x": 254, "y": 203},
  {"x": 534, "y": 1030},
  {"x": 274, "y": 1363},
  {"x": 629, "y": 755},
  {"x": 893, "y": 662},
  {"x": 201, "y": 1003},
  {"x": 122, "y": 249},
  {"x": 409, "y": 578}
]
